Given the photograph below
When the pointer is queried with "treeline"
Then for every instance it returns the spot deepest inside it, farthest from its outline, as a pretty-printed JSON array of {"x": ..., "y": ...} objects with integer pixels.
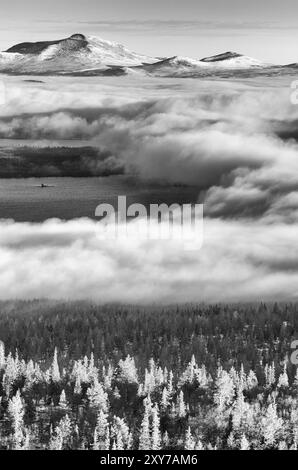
[
  {"x": 234, "y": 334},
  {"x": 76, "y": 375},
  {"x": 28, "y": 162}
]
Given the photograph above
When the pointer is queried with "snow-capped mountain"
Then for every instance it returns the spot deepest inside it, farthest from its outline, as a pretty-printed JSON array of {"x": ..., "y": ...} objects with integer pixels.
[
  {"x": 88, "y": 55},
  {"x": 74, "y": 54},
  {"x": 233, "y": 60},
  {"x": 186, "y": 66}
]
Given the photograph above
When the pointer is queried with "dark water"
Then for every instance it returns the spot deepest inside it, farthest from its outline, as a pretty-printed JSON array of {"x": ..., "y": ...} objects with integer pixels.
[{"x": 68, "y": 198}]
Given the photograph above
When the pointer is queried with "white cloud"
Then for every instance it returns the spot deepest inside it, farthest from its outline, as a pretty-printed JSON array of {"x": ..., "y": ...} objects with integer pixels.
[
  {"x": 219, "y": 136},
  {"x": 238, "y": 261}
]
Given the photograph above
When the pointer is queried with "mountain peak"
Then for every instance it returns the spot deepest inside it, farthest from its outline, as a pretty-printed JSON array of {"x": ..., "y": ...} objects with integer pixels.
[
  {"x": 72, "y": 54},
  {"x": 78, "y": 36},
  {"x": 80, "y": 54},
  {"x": 220, "y": 57},
  {"x": 35, "y": 48}
]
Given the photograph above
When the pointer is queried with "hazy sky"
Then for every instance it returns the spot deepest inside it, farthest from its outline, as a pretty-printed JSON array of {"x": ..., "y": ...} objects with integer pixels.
[{"x": 265, "y": 29}]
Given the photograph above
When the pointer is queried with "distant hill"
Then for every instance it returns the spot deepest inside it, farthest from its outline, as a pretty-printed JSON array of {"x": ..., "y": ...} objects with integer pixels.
[{"x": 88, "y": 55}]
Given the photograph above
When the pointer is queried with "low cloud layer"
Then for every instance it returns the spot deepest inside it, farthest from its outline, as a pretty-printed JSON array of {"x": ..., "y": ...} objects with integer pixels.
[
  {"x": 238, "y": 261},
  {"x": 234, "y": 141},
  {"x": 163, "y": 130}
]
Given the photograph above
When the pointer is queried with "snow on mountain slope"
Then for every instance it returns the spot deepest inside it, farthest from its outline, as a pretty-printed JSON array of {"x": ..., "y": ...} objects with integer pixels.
[
  {"x": 88, "y": 55},
  {"x": 221, "y": 57},
  {"x": 233, "y": 59},
  {"x": 113, "y": 53},
  {"x": 68, "y": 55},
  {"x": 174, "y": 66},
  {"x": 185, "y": 66}
]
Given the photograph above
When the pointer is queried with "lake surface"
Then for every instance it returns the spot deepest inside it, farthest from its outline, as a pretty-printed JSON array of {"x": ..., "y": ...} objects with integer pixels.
[{"x": 68, "y": 198}]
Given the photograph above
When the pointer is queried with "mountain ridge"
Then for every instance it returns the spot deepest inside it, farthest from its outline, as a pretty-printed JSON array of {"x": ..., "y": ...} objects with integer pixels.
[{"x": 90, "y": 55}]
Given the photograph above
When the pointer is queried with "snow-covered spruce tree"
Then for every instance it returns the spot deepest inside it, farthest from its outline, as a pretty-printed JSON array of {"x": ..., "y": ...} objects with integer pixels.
[
  {"x": 239, "y": 411},
  {"x": 165, "y": 440},
  {"x": 271, "y": 424},
  {"x": 270, "y": 375},
  {"x": 63, "y": 401},
  {"x": 128, "y": 371},
  {"x": 107, "y": 374},
  {"x": 92, "y": 371},
  {"x": 244, "y": 444},
  {"x": 62, "y": 436},
  {"x": 16, "y": 411},
  {"x": 231, "y": 441},
  {"x": 56, "y": 440},
  {"x": 165, "y": 399},
  {"x": 98, "y": 398},
  {"x": 55, "y": 373},
  {"x": 33, "y": 376},
  {"x": 282, "y": 445},
  {"x": 283, "y": 381},
  {"x": 241, "y": 382},
  {"x": 251, "y": 380},
  {"x": 78, "y": 386},
  {"x": 119, "y": 441},
  {"x": 101, "y": 432},
  {"x": 181, "y": 407},
  {"x": 199, "y": 445},
  {"x": 202, "y": 377},
  {"x": 11, "y": 373},
  {"x": 156, "y": 435},
  {"x": 189, "y": 443},
  {"x": 2, "y": 355},
  {"x": 120, "y": 428},
  {"x": 224, "y": 390},
  {"x": 170, "y": 383},
  {"x": 190, "y": 374},
  {"x": 145, "y": 442},
  {"x": 149, "y": 382}
]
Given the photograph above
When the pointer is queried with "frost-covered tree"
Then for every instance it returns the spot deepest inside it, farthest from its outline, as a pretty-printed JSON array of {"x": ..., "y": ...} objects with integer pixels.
[
  {"x": 128, "y": 371},
  {"x": 244, "y": 444},
  {"x": 283, "y": 381},
  {"x": 165, "y": 440},
  {"x": 78, "y": 386},
  {"x": 271, "y": 424},
  {"x": 224, "y": 389},
  {"x": 98, "y": 398},
  {"x": 62, "y": 435},
  {"x": 165, "y": 400},
  {"x": 62, "y": 400},
  {"x": 2, "y": 355},
  {"x": 92, "y": 371},
  {"x": 189, "y": 443},
  {"x": 270, "y": 375},
  {"x": 181, "y": 407},
  {"x": 11, "y": 373},
  {"x": 121, "y": 429},
  {"x": 251, "y": 380},
  {"x": 145, "y": 442},
  {"x": 170, "y": 383},
  {"x": 239, "y": 411},
  {"x": 156, "y": 435},
  {"x": 16, "y": 411},
  {"x": 55, "y": 373},
  {"x": 107, "y": 374},
  {"x": 190, "y": 373}
]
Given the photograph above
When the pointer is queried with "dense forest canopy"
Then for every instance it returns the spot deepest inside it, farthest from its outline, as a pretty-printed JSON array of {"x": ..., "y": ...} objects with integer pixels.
[
  {"x": 234, "y": 334},
  {"x": 194, "y": 377}
]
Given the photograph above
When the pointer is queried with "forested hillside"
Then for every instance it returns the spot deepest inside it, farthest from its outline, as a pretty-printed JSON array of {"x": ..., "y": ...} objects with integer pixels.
[{"x": 77, "y": 375}]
